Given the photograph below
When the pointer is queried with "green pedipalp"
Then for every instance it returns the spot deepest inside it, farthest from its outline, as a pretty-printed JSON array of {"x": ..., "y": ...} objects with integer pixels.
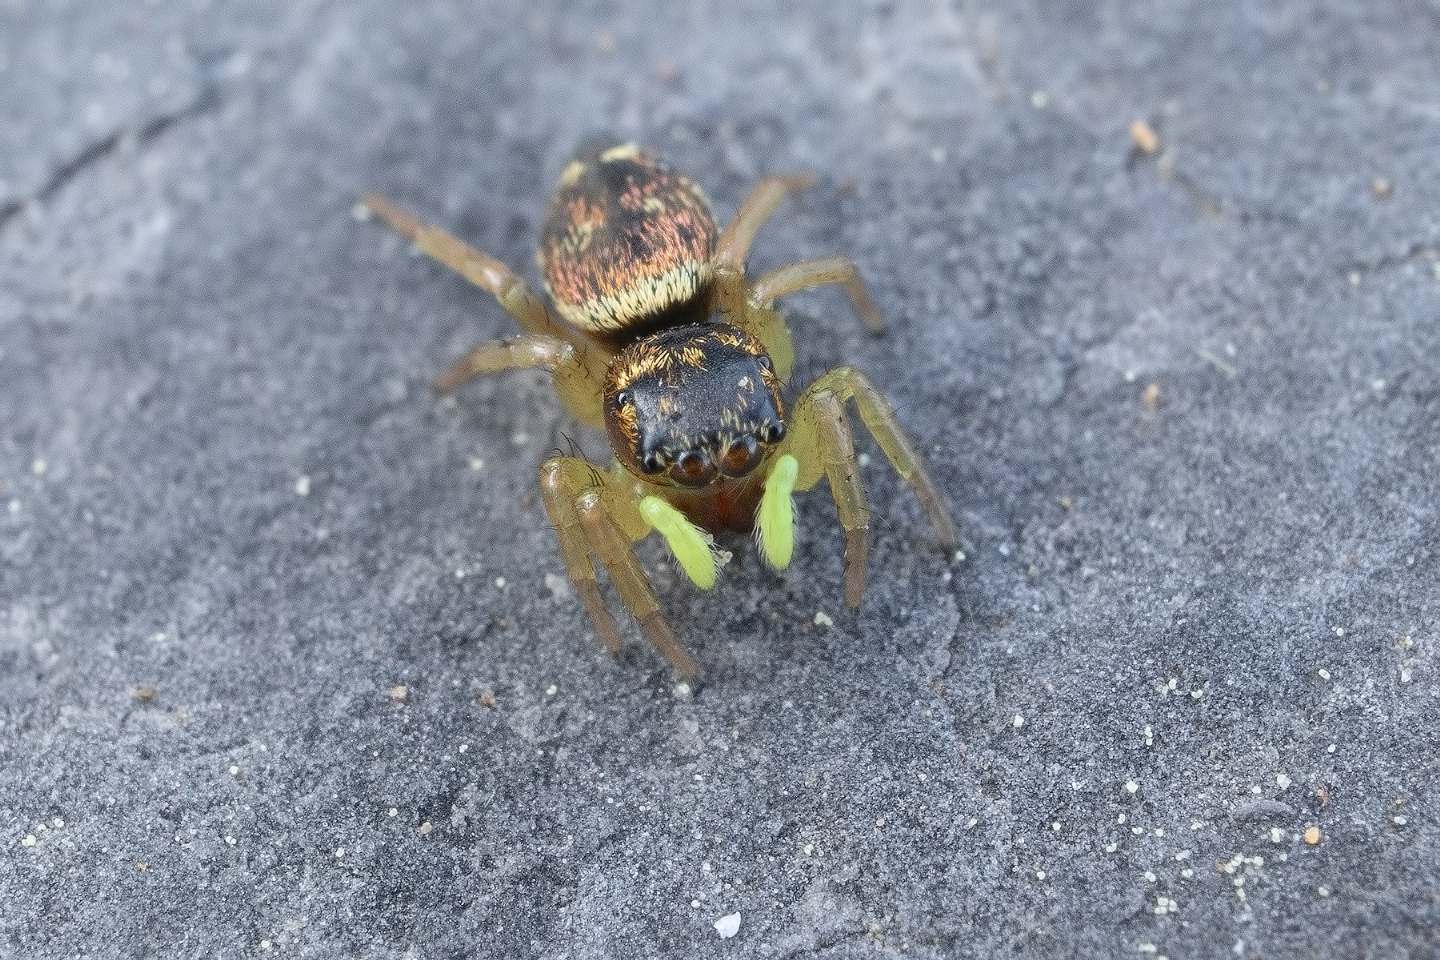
[
  {"x": 692, "y": 547},
  {"x": 775, "y": 521}
]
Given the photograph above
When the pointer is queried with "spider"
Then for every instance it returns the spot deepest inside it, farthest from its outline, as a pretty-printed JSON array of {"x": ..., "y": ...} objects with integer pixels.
[{"x": 664, "y": 342}]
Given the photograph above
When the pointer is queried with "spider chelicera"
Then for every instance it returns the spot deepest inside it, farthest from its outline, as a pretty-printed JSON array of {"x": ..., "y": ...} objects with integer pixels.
[{"x": 662, "y": 341}]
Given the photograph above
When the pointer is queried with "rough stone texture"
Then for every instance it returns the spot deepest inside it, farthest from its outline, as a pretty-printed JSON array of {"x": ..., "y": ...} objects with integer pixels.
[{"x": 223, "y": 478}]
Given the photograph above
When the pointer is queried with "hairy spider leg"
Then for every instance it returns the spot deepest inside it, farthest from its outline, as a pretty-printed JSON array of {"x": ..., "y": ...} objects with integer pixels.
[
  {"x": 818, "y": 273},
  {"x": 598, "y": 520},
  {"x": 478, "y": 267},
  {"x": 821, "y": 444},
  {"x": 545, "y": 344}
]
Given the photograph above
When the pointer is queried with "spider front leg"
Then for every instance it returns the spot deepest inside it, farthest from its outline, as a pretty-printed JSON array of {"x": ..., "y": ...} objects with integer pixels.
[
  {"x": 597, "y": 518},
  {"x": 820, "y": 445}
]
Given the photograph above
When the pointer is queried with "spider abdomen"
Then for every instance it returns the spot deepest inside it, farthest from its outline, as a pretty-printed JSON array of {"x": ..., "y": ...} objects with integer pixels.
[{"x": 625, "y": 240}]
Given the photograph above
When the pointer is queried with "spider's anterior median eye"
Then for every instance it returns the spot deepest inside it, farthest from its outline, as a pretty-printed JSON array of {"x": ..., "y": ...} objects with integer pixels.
[
  {"x": 650, "y": 463},
  {"x": 622, "y": 398},
  {"x": 773, "y": 432},
  {"x": 693, "y": 469},
  {"x": 740, "y": 457}
]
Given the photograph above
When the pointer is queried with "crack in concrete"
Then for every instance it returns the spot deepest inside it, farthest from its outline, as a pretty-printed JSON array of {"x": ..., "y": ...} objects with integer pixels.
[{"x": 97, "y": 151}]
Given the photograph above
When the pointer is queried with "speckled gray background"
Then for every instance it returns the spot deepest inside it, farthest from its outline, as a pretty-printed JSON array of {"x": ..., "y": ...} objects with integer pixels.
[{"x": 1193, "y": 619}]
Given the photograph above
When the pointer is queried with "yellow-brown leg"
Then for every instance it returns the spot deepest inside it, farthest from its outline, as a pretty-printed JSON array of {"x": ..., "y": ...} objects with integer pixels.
[
  {"x": 530, "y": 351},
  {"x": 818, "y": 273},
  {"x": 842, "y": 471},
  {"x": 820, "y": 440},
  {"x": 733, "y": 247},
  {"x": 478, "y": 267},
  {"x": 598, "y": 521}
]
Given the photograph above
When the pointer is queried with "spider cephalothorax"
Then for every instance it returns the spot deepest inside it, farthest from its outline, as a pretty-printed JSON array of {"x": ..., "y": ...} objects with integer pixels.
[
  {"x": 669, "y": 347},
  {"x": 693, "y": 403}
]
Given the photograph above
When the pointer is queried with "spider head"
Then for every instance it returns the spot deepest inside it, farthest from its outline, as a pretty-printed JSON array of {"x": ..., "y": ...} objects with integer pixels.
[{"x": 692, "y": 404}]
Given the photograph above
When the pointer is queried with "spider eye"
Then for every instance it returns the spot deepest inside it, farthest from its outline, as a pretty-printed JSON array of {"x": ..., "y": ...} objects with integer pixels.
[
  {"x": 693, "y": 469},
  {"x": 622, "y": 398},
  {"x": 764, "y": 361},
  {"x": 650, "y": 463},
  {"x": 740, "y": 457},
  {"x": 773, "y": 432}
]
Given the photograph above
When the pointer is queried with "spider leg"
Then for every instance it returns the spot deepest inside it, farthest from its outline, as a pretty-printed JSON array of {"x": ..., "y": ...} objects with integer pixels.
[
  {"x": 821, "y": 441},
  {"x": 478, "y": 267},
  {"x": 578, "y": 386},
  {"x": 842, "y": 471},
  {"x": 513, "y": 353},
  {"x": 557, "y": 493},
  {"x": 631, "y": 583},
  {"x": 818, "y": 273},
  {"x": 598, "y": 523},
  {"x": 759, "y": 206}
]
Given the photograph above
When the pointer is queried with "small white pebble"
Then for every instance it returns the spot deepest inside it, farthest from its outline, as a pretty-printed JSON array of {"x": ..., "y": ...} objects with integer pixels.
[
  {"x": 1282, "y": 781},
  {"x": 302, "y": 485},
  {"x": 1149, "y": 736},
  {"x": 1404, "y": 675},
  {"x": 1323, "y": 891},
  {"x": 57, "y": 823},
  {"x": 1149, "y": 876},
  {"x": 682, "y": 691},
  {"x": 1330, "y": 749},
  {"x": 1018, "y": 722},
  {"x": 477, "y": 464},
  {"x": 230, "y": 840},
  {"x": 1400, "y": 821},
  {"x": 822, "y": 619},
  {"x": 500, "y": 583},
  {"x": 266, "y": 945},
  {"x": 460, "y": 573},
  {"x": 1277, "y": 835},
  {"x": 464, "y": 747},
  {"x": 1055, "y": 826},
  {"x": 339, "y": 852},
  {"x": 1039, "y": 874},
  {"x": 551, "y": 690},
  {"x": 1131, "y": 787},
  {"x": 1339, "y": 631},
  {"x": 28, "y": 840},
  {"x": 728, "y": 925},
  {"x": 1039, "y": 99},
  {"x": 392, "y": 812},
  {"x": 1255, "y": 789},
  {"x": 1324, "y": 674},
  {"x": 38, "y": 467},
  {"x": 959, "y": 556},
  {"x": 234, "y": 770},
  {"x": 863, "y": 459},
  {"x": 1111, "y": 847}
]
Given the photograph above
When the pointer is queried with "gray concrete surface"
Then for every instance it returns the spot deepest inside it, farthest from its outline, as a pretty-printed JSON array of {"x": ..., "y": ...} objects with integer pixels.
[{"x": 1184, "y": 405}]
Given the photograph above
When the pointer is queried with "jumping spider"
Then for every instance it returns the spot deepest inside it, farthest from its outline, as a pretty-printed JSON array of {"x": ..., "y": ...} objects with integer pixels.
[{"x": 664, "y": 343}]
